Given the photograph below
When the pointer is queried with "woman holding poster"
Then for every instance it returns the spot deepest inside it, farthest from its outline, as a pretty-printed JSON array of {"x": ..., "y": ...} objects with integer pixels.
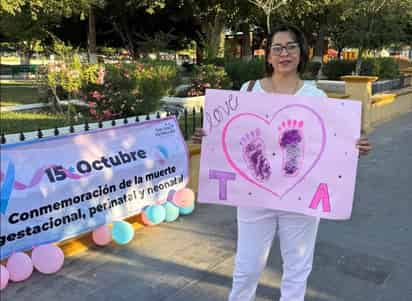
[{"x": 286, "y": 57}]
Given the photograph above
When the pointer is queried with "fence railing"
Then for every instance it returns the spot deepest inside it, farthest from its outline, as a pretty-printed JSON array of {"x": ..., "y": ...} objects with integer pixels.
[
  {"x": 391, "y": 84},
  {"x": 188, "y": 120}
]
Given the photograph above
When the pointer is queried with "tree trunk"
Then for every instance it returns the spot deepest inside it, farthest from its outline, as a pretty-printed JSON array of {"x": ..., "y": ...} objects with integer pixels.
[
  {"x": 199, "y": 52},
  {"x": 56, "y": 104},
  {"x": 319, "y": 50},
  {"x": 340, "y": 49},
  {"x": 92, "y": 37},
  {"x": 319, "y": 46},
  {"x": 359, "y": 61},
  {"x": 26, "y": 52},
  {"x": 246, "y": 41},
  {"x": 25, "y": 55},
  {"x": 25, "y": 58},
  {"x": 268, "y": 23},
  {"x": 222, "y": 40},
  {"x": 214, "y": 37},
  {"x": 127, "y": 43}
]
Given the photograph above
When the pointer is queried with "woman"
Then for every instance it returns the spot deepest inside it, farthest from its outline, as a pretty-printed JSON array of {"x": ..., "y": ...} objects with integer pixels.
[{"x": 286, "y": 56}]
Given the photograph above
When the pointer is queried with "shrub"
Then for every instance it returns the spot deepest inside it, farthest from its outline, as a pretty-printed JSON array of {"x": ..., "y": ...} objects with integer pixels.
[
  {"x": 65, "y": 75},
  {"x": 122, "y": 90},
  {"x": 370, "y": 66},
  {"x": 208, "y": 76},
  {"x": 403, "y": 62},
  {"x": 217, "y": 61},
  {"x": 240, "y": 70},
  {"x": 383, "y": 68},
  {"x": 114, "y": 93},
  {"x": 90, "y": 73},
  {"x": 311, "y": 70},
  {"x": 156, "y": 63},
  {"x": 334, "y": 69},
  {"x": 389, "y": 68},
  {"x": 153, "y": 83}
]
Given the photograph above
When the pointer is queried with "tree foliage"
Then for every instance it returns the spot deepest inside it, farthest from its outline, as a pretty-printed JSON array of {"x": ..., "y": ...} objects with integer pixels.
[{"x": 140, "y": 25}]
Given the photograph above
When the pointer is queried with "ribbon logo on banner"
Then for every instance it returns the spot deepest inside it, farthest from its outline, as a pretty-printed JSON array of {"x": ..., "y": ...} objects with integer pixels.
[{"x": 7, "y": 187}]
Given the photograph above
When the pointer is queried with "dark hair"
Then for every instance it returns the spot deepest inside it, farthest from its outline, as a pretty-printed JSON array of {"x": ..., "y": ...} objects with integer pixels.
[{"x": 300, "y": 38}]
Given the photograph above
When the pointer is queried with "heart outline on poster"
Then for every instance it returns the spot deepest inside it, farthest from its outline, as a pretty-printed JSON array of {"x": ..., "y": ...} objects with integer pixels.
[{"x": 269, "y": 122}]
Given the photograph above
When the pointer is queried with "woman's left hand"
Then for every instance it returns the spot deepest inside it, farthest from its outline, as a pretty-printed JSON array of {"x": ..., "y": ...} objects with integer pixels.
[{"x": 364, "y": 146}]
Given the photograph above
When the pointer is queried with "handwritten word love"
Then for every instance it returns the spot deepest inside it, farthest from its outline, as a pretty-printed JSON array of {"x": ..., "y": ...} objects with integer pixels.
[{"x": 218, "y": 114}]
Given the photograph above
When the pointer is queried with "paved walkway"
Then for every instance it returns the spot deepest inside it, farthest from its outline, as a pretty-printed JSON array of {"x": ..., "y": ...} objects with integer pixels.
[{"x": 367, "y": 258}]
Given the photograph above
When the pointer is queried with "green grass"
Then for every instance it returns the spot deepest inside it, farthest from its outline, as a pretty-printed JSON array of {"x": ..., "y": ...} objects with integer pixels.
[
  {"x": 8, "y": 103},
  {"x": 15, "y": 122},
  {"x": 14, "y": 60},
  {"x": 20, "y": 82},
  {"x": 11, "y": 94}
]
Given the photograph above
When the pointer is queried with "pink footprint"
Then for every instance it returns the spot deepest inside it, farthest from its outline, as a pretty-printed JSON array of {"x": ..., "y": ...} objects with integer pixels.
[
  {"x": 253, "y": 149},
  {"x": 292, "y": 143}
]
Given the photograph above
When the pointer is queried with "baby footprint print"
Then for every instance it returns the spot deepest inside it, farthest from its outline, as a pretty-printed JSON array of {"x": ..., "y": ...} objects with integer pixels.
[
  {"x": 292, "y": 143},
  {"x": 253, "y": 150}
]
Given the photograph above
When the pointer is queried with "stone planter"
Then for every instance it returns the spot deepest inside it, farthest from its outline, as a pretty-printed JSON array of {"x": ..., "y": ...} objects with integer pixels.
[
  {"x": 332, "y": 86},
  {"x": 178, "y": 104}
]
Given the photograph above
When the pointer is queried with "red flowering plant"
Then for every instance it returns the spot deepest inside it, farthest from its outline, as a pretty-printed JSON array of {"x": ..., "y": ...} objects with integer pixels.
[
  {"x": 122, "y": 90},
  {"x": 113, "y": 93}
]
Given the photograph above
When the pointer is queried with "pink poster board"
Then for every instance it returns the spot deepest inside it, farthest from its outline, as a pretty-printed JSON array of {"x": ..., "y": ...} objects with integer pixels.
[{"x": 291, "y": 153}]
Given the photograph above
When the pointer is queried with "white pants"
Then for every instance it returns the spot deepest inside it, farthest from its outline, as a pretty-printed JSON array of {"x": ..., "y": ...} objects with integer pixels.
[{"x": 256, "y": 230}]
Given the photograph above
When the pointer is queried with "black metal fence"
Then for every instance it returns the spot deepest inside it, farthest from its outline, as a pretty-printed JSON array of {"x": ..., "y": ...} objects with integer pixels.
[
  {"x": 188, "y": 121},
  {"x": 391, "y": 84}
]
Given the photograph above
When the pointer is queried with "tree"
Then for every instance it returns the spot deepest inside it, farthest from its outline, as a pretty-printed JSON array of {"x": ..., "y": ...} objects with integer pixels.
[
  {"x": 312, "y": 17},
  {"x": 268, "y": 7},
  {"x": 203, "y": 21},
  {"x": 213, "y": 17},
  {"x": 373, "y": 24},
  {"x": 120, "y": 16},
  {"x": 154, "y": 43},
  {"x": 91, "y": 36},
  {"x": 10, "y": 6},
  {"x": 26, "y": 22},
  {"x": 49, "y": 7},
  {"x": 24, "y": 31}
]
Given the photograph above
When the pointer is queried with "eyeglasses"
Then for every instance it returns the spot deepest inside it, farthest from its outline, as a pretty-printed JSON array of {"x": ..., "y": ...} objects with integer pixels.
[{"x": 291, "y": 48}]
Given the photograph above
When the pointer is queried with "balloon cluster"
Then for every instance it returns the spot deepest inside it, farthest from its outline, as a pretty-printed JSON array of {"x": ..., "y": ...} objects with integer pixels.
[
  {"x": 181, "y": 202},
  {"x": 47, "y": 259},
  {"x": 121, "y": 233}
]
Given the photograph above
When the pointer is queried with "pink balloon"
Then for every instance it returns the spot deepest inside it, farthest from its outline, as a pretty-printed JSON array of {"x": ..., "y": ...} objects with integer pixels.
[
  {"x": 20, "y": 266},
  {"x": 184, "y": 197},
  {"x": 160, "y": 202},
  {"x": 4, "y": 277},
  {"x": 47, "y": 259},
  {"x": 145, "y": 220},
  {"x": 102, "y": 236}
]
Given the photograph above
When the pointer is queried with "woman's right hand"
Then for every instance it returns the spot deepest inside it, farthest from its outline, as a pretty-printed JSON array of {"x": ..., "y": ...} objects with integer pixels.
[{"x": 198, "y": 135}]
